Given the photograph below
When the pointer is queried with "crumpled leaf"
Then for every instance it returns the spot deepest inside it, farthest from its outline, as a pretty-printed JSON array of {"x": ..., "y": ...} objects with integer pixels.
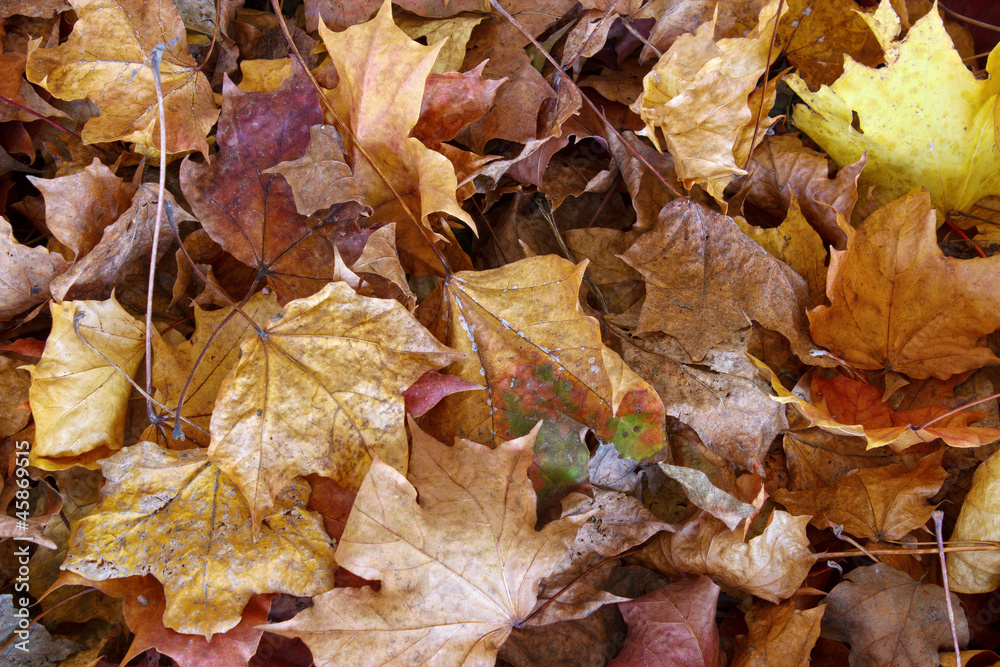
[
  {"x": 922, "y": 117},
  {"x": 780, "y": 635},
  {"x": 451, "y": 101},
  {"x": 890, "y": 619},
  {"x": 78, "y": 400},
  {"x": 539, "y": 357},
  {"x": 107, "y": 60},
  {"x": 32, "y": 529},
  {"x": 78, "y": 207},
  {"x": 382, "y": 76},
  {"x": 380, "y": 258},
  {"x": 459, "y": 570},
  {"x": 353, "y": 356},
  {"x": 672, "y": 626},
  {"x": 979, "y": 519},
  {"x": 723, "y": 506},
  {"x": 216, "y": 340},
  {"x": 697, "y": 96},
  {"x": 771, "y": 566},
  {"x": 206, "y": 559},
  {"x": 898, "y": 304},
  {"x": 14, "y": 384},
  {"x": 252, "y": 214},
  {"x": 25, "y": 273},
  {"x": 882, "y": 503},
  {"x": 320, "y": 178},
  {"x": 705, "y": 280}
]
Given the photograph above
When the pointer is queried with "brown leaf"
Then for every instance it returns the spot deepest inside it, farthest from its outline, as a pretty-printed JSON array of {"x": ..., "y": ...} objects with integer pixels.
[
  {"x": 979, "y": 519},
  {"x": 32, "y": 528},
  {"x": 780, "y": 636},
  {"x": 78, "y": 399},
  {"x": 672, "y": 626},
  {"x": 771, "y": 566},
  {"x": 458, "y": 571},
  {"x": 206, "y": 559},
  {"x": 380, "y": 258},
  {"x": 14, "y": 384},
  {"x": 897, "y": 303},
  {"x": 353, "y": 356},
  {"x": 452, "y": 101},
  {"x": 107, "y": 60},
  {"x": 705, "y": 280},
  {"x": 890, "y": 619},
  {"x": 882, "y": 503}
]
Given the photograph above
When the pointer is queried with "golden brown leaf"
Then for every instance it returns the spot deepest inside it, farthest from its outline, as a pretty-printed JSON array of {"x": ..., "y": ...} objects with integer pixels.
[
  {"x": 205, "y": 556},
  {"x": 14, "y": 384},
  {"x": 882, "y": 503},
  {"x": 459, "y": 570},
  {"x": 979, "y": 519},
  {"x": 107, "y": 60},
  {"x": 780, "y": 636},
  {"x": 897, "y": 303},
  {"x": 25, "y": 273},
  {"x": 78, "y": 399},
  {"x": 320, "y": 391}
]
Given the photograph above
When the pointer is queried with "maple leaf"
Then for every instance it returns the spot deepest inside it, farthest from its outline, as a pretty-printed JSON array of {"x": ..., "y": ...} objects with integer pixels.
[
  {"x": 780, "y": 635},
  {"x": 25, "y": 273},
  {"x": 697, "y": 96},
  {"x": 882, "y": 503},
  {"x": 107, "y": 60},
  {"x": 207, "y": 561},
  {"x": 890, "y": 619},
  {"x": 979, "y": 519},
  {"x": 451, "y": 101},
  {"x": 528, "y": 343},
  {"x": 672, "y": 626},
  {"x": 252, "y": 212},
  {"x": 352, "y": 356},
  {"x": 925, "y": 119},
  {"x": 705, "y": 280},
  {"x": 459, "y": 569},
  {"x": 79, "y": 397},
  {"x": 382, "y": 77},
  {"x": 897, "y": 303}
]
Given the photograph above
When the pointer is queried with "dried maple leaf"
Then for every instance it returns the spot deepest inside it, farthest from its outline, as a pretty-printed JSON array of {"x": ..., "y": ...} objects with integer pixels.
[
  {"x": 320, "y": 391},
  {"x": 251, "y": 212},
  {"x": 78, "y": 207},
  {"x": 925, "y": 119},
  {"x": 672, "y": 626},
  {"x": 979, "y": 519},
  {"x": 206, "y": 559},
  {"x": 706, "y": 279},
  {"x": 79, "y": 399},
  {"x": 215, "y": 348},
  {"x": 459, "y": 570},
  {"x": 382, "y": 77},
  {"x": 882, "y": 503},
  {"x": 107, "y": 60},
  {"x": 25, "y": 273},
  {"x": 780, "y": 635},
  {"x": 451, "y": 101},
  {"x": 538, "y": 356},
  {"x": 697, "y": 99},
  {"x": 890, "y": 619},
  {"x": 897, "y": 303},
  {"x": 771, "y": 566},
  {"x": 14, "y": 384}
]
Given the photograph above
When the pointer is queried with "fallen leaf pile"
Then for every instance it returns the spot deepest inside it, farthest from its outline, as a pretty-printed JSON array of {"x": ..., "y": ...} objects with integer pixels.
[{"x": 473, "y": 333}]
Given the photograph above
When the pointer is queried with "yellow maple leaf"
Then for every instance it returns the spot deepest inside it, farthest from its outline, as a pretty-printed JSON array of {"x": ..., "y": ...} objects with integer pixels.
[
  {"x": 924, "y": 118},
  {"x": 107, "y": 60}
]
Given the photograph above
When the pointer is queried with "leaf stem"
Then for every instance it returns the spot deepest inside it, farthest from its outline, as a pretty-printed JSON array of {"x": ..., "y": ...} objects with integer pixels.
[
  {"x": 938, "y": 516},
  {"x": 957, "y": 410}
]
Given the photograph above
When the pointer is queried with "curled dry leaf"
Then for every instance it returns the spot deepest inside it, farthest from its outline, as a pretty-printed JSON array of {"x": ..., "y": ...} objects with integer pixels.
[
  {"x": 723, "y": 506},
  {"x": 882, "y": 503},
  {"x": 79, "y": 399},
  {"x": 706, "y": 279},
  {"x": 890, "y": 619},
  {"x": 451, "y": 101},
  {"x": 380, "y": 258},
  {"x": 539, "y": 357},
  {"x": 459, "y": 570},
  {"x": 780, "y": 635},
  {"x": 14, "y": 384},
  {"x": 697, "y": 99},
  {"x": 672, "y": 626},
  {"x": 771, "y": 566},
  {"x": 898, "y": 304},
  {"x": 922, "y": 116},
  {"x": 107, "y": 60},
  {"x": 352, "y": 357},
  {"x": 25, "y": 273},
  {"x": 979, "y": 519},
  {"x": 206, "y": 559}
]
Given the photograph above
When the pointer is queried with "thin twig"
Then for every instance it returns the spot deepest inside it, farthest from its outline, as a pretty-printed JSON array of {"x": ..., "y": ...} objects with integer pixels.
[
  {"x": 904, "y": 552},
  {"x": 763, "y": 92},
  {"x": 957, "y": 410},
  {"x": 964, "y": 236},
  {"x": 543, "y": 206},
  {"x": 938, "y": 516},
  {"x": 635, "y": 33},
  {"x": 966, "y": 19}
]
